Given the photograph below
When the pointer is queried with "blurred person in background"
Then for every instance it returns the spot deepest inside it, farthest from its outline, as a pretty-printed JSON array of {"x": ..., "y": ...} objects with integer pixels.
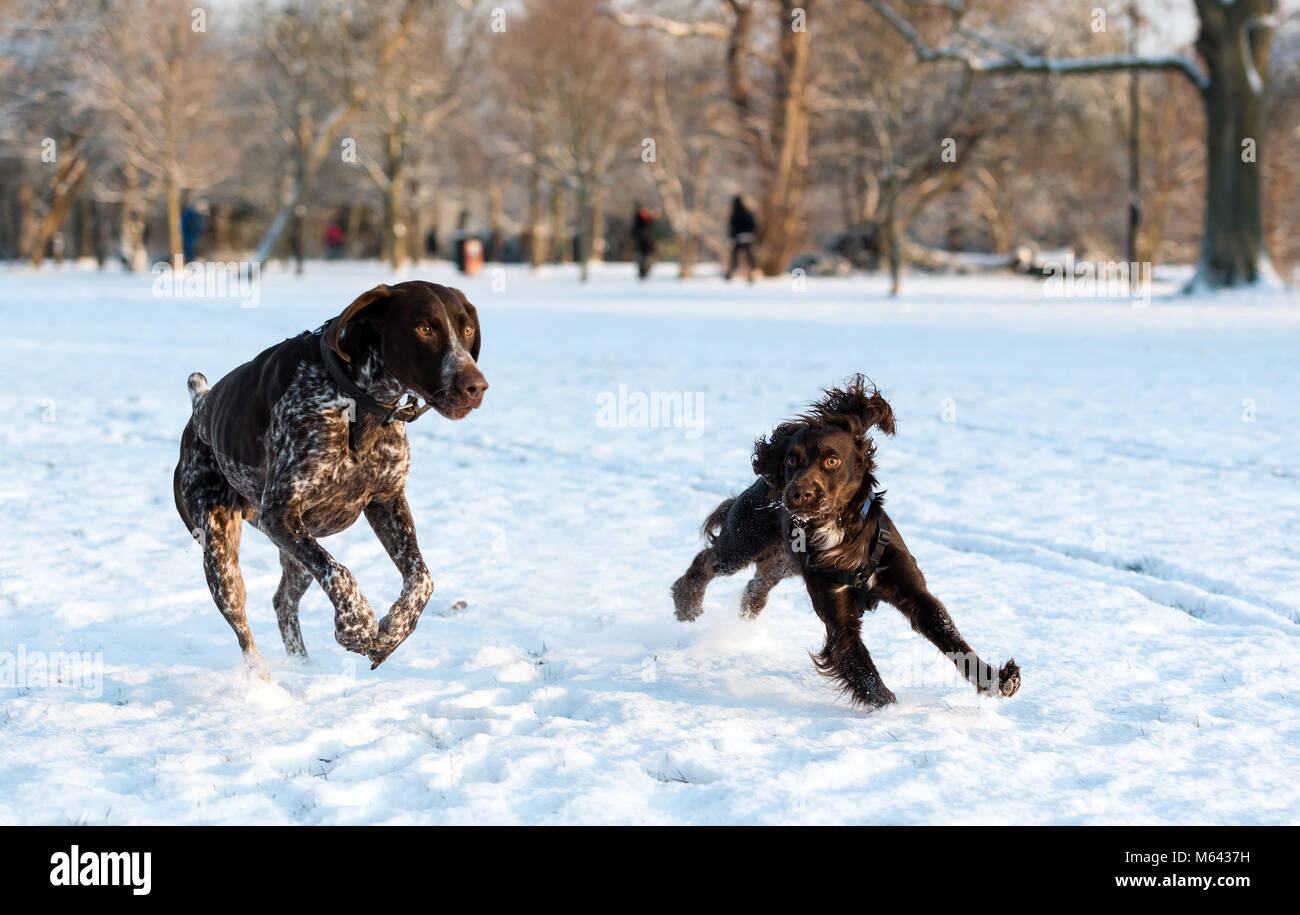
[
  {"x": 643, "y": 236},
  {"x": 334, "y": 238},
  {"x": 192, "y": 224},
  {"x": 744, "y": 233}
]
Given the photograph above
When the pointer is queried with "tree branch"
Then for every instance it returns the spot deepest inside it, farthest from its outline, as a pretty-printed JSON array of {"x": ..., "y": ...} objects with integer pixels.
[
  {"x": 676, "y": 29},
  {"x": 1011, "y": 59}
]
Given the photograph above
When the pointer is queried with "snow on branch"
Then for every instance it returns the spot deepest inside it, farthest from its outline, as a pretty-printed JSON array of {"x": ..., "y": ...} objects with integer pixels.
[
  {"x": 671, "y": 27},
  {"x": 1010, "y": 58}
]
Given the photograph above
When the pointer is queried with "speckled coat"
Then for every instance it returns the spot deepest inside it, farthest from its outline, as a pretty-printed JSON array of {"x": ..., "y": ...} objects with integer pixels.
[{"x": 282, "y": 444}]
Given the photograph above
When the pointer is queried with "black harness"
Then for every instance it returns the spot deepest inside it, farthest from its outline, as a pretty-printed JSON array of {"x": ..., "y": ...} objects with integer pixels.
[
  {"x": 396, "y": 411},
  {"x": 857, "y": 580}
]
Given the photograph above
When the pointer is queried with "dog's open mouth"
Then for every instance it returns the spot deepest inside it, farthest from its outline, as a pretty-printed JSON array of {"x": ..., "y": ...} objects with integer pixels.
[{"x": 808, "y": 515}]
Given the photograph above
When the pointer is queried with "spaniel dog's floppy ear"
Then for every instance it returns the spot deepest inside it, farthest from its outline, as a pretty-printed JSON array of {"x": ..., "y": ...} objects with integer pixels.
[
  {"x": 362, "y": 301},
  {"x": 769, "y": 454},
  {"x": 860, "y": 404}
]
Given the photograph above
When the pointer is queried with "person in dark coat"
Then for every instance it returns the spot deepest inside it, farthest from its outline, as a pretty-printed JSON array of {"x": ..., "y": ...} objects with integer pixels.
[
  {"x": 744, "y": 233},
  {"x": 334, "y": 238},
  {"x": 643, "y": 236},
  {"x": 192, "y": 223}
]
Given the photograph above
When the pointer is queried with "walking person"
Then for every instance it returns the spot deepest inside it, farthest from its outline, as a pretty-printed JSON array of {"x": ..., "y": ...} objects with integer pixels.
[
  {"x": 643, "y": 237},
  {"x": 192, "y": 225},
  {"x": 744, "y": 233},
  {"x": 334, "y": 239}
]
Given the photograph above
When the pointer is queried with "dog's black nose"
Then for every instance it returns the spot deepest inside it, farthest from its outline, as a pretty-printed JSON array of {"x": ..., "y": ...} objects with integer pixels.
[
  {"x": 471, "y": 385},
  {"x": 801, "y": 495}
]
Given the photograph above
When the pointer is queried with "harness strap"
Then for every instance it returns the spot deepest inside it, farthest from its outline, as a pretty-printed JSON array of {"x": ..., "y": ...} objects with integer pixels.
[{"x": 858, "y": 580}]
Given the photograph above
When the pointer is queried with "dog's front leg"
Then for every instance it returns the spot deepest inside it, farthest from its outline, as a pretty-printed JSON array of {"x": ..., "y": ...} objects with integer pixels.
[
  {"x": 354, "y": 622},
  {"x": 393, "y": 525},
  {"x": 901, "y": 584},
  {"x": 844, "y": 657}
]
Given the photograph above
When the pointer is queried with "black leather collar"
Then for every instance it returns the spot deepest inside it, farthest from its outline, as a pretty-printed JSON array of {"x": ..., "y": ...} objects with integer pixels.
[{"x": 396, "y": 411}]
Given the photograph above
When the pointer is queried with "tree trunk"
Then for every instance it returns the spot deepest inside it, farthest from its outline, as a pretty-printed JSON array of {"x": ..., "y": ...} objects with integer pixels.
[
  {"x": 394, "y": 217},
  {"x": 173, "y": 191},
  {"x": 781, "y": 217},
  {"x": 689, "y": 255},
  {"x": 71, "y": 172},
  {"x": 415, "y": 222},
  {"x": 496, "y": 217},
  {"x": 352, "y": 242},
  {"x": 131, "y": 228},
  {"x": 26, "y": 220},
  {"x": 893, "y": 244},
  {"x": 559, "y": 250},
  {"x": 582, "y": 228},
  {"x": 299, "y": 237},
  {"x": 85, "y": 235},
  {"x": 1235, "y": 41},
  {"x": 308, "y": 164},
  {"x": 597, "y": 250},
  {"x": 537, "y": 251}
]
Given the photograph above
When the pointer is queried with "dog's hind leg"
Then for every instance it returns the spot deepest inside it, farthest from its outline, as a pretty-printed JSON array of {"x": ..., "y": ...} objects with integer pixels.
[
  {"x": 770, "y": 570},
  {"x": 209, "y": 508},
  {"x": 219, "y": 529},
  {"x": 688, "y": 591},
  {"x": 294, "y": 582}
]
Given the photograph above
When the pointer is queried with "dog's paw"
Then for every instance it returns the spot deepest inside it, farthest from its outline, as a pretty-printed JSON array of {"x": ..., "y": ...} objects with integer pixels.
[
  {"x": 387, "y": 641},
  {"x": 878, "y": 699},
  {"x": 256, "y": 667},
  {"x": 1009, "y": 678},
  {"x": 752, "y": 604},
  {"x": 688, "y": 601}
]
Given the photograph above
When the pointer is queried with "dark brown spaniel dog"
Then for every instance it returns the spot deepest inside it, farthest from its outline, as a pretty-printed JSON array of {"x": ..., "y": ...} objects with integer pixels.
[
  {"x": 311, "y": 434},
  {"x": 815, "y": 511}
]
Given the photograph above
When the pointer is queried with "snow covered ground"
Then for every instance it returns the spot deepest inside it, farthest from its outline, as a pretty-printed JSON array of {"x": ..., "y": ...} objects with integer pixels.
[{"x": 1110, "y": 494}]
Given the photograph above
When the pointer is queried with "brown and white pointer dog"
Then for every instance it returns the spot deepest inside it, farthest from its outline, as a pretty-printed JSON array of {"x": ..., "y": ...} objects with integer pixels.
[
  {"x": 311, "y": 434},
  {"x": 815, "y": 512}
]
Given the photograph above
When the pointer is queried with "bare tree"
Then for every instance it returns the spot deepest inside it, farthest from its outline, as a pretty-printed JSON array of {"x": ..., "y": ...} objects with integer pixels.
[
  {"x": 411, "y": 101},
  {"x": 157, "y": 89},
  {"x": 581, "y": 66},
  {"x": 1234, "y": 41},
  {"x": 774, "y": 122},
  {"x": 365, "y": 53},
  {"x": 44, "y": 112}
]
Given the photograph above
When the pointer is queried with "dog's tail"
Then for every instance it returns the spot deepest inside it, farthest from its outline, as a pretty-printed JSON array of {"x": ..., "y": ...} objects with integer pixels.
[
  {"x": 712, "y": 525},
  {"x": 198, "y": 388}
]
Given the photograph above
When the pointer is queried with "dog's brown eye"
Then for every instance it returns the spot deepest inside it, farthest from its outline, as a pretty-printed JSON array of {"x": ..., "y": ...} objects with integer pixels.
[
  {"x": 469, "y": 330},
  {"x": 832, "y": 462},
  {"x": 424, "y": 330},
  {"x": 791, "y": 461}
]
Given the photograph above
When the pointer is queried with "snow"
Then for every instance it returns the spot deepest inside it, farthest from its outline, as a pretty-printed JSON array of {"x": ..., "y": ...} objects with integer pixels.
[{"x": 1107, "y": 493}]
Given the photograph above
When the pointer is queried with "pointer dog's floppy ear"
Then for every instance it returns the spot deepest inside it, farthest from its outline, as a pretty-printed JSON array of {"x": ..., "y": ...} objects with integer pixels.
[
  {"x": 362, "y": 301},
  {"x": 857, "y": 406}
]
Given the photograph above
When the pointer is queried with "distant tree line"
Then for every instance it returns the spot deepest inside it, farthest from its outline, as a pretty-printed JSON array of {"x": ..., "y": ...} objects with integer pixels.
[{"x": 889, "y": 133}]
